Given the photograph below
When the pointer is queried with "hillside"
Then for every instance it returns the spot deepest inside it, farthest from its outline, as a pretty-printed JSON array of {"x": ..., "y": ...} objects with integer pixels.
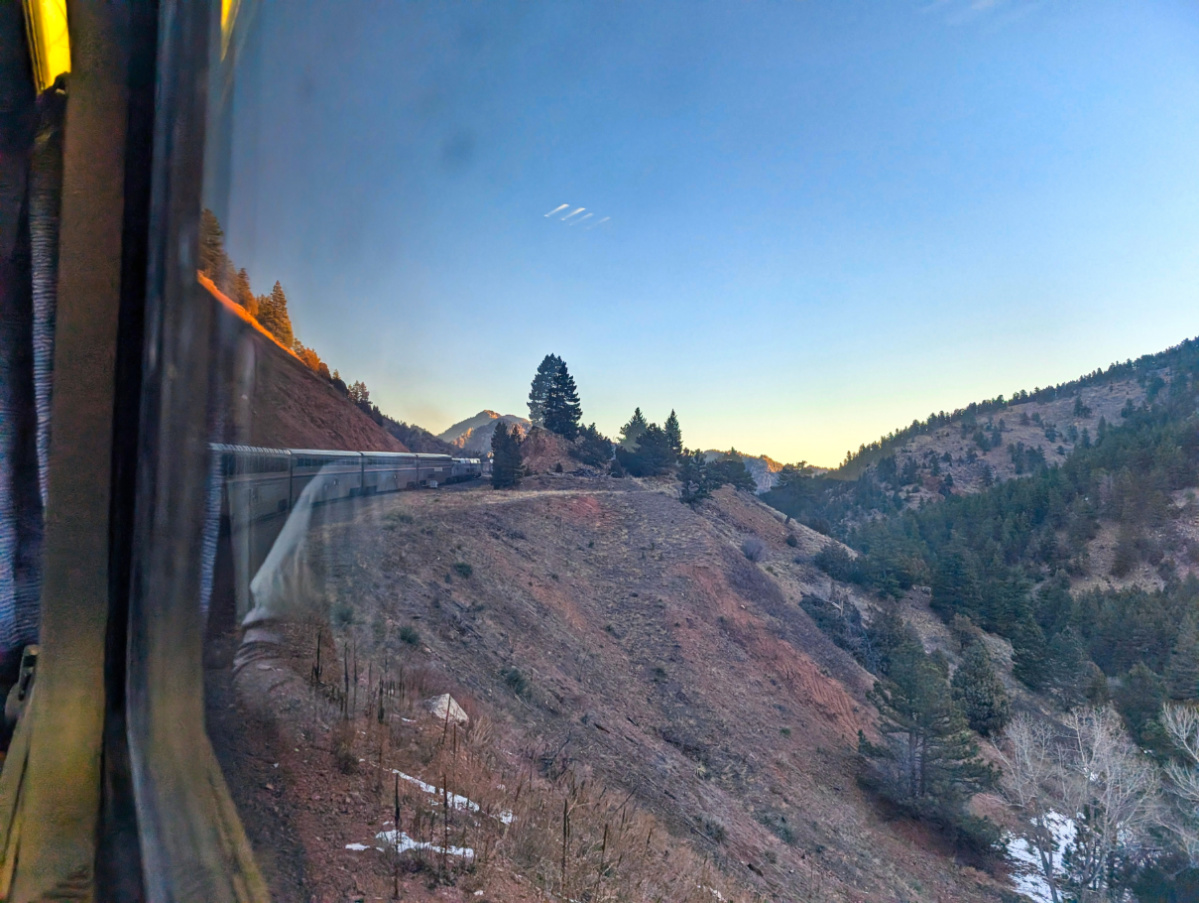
[
  {"x": 1065, "y": 525},
  {"x": 971, "y": 449},
  {"x": 417, "y": 438},
  {"x": 474, "y": 434},
  {"x": 610, "y": 644},
  {"x": 277, "y": 401}
]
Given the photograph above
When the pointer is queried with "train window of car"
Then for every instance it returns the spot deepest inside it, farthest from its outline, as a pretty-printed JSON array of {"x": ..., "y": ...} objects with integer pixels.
[{"x": 591, "y": 271}]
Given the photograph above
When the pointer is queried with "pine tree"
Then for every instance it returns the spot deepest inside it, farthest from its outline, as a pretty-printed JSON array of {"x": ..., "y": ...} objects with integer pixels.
[
  {"x": 214, "y": 262},
  {"x": 1068, "y": 671},
  {"x": 632, "y": 431},
  {"x": 980, "y": 692},
  {"x": 730, "y": 470},
  {"x": 273, "y": 316},
  {"x": 243, "y": 294},
  {"x": 693, "y": 474},
  {"x": 592, "y": 447},
  {"x": 1030, "y": 655},
  {"x": 1182, "y": 673},
  {"x": 955, "y": 588},
  {"x": 506, "y": 461},
  {"x": 562, "y": 409},
  {"x": 1139, "y": 700},
  {"x": 539, "y": 392},
  {"x": 651, "y": 456},
  {"x": 931, "y": 764},
  {"x": 673, "y": 433}
]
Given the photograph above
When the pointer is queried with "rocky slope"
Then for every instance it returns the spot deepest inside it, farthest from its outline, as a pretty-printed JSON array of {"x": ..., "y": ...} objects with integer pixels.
[{"x": 621, "y": 656}]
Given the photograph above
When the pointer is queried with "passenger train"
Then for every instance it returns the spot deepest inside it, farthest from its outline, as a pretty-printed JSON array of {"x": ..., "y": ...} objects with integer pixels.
[
  {"x": 259, "y": 482},
  {"x": 259, "y": 487}
]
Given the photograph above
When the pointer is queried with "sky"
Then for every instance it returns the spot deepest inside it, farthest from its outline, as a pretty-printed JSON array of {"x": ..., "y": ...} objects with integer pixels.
[{"x": 803, "y": 224}]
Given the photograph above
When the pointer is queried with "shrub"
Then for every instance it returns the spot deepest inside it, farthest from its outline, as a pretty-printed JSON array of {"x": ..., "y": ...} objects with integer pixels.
[
  {"x": 777, "y": 823},
  {"x": 791, "y": 540},
  {"x": 462, "y": 569},
  {"x": 409, "y": 635},
  {"x": 515, "y": 680},
  {"x": 342, "y": 615},
  {"x": 714, "y": 829},
  {"x": 753, "y": 548},
  {"x": 834, "y": 559}
]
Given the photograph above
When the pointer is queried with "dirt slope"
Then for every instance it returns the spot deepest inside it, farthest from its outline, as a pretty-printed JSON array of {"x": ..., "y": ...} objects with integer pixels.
[
  {"x": 274, "y": 400},
  {"x": 618, "y": 637}
]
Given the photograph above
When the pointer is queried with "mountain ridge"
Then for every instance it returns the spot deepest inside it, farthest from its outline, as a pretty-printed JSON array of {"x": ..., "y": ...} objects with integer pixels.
[{"x": 474, "y": 433}]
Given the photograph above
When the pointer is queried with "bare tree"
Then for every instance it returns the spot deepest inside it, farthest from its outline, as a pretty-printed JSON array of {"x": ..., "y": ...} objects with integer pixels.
[
  {"x": 1111, "y": 788},
  {"x": 1087, "y": 797},
  {"x": 1030, "y": 771},
  {"x": 1182, "y": 724}
]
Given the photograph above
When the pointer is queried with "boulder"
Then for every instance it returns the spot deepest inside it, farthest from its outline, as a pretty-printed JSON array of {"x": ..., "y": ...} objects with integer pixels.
[{"x": 445, "y": 707}]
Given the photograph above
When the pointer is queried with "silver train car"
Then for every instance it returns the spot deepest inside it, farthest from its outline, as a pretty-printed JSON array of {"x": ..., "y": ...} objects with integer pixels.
[
  {"x": 260, "y": 486},
  {"x": 259, "y": 482}
]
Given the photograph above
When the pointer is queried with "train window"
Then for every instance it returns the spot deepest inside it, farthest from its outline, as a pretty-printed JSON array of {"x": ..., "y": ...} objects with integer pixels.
[{"x": 393, "y": 402}]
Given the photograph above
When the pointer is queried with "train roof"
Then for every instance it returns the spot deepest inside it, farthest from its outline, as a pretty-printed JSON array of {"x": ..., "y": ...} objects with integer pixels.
[{"x": 227, "y": 448}]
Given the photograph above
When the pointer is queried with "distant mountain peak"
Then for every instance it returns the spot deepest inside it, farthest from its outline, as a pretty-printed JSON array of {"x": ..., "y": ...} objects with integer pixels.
[{"x": 474, "y": 433}]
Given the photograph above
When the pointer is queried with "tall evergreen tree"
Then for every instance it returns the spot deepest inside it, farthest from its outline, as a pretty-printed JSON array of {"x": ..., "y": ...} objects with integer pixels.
[
  {"x": 506, "y": 461},
  {"x": 562, "y": 409},
  {"x": 273, "y": 315},
  {"x": 1030, "y": 655},
  {"x": 1069, "y": 675},
  {"x": 955, "y": 588},
  {"x": 632, "y": 431},
  {"x": 1139, "y": 699},
  {"x": 651, "y": 456},
  {"x": 539, "y": 392},
  {"x": 243, "y": 294},
  {"x": 1182, "y": 673},
  {"x": 980, "y": 692},
  {"x": 214, "y": 262},
  {"x": 673, "y": 433},
  {"x": 930, "y": 763}
]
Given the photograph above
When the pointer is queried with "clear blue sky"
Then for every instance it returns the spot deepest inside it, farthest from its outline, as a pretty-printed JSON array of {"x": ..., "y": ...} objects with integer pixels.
[{"x": 824, "y": 218}]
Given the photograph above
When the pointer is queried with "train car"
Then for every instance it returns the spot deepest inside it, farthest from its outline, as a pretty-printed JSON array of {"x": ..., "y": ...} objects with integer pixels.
[
  {"x": 340, "y": 473},
  {"x": 255, "y": 503},
  {"x": 434, "y": 469},
  {"x": 389, "y": 471},
  {"x": 463, "y": 469},
  {"x": 256, "y": 482}
]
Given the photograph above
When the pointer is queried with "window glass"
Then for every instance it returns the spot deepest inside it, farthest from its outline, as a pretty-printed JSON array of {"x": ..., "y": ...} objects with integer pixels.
[{"x": 577, "y": 525}]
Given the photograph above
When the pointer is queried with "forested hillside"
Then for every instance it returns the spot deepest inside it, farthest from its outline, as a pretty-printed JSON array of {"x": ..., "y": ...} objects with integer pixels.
[{"x": 1080, "y": 553}]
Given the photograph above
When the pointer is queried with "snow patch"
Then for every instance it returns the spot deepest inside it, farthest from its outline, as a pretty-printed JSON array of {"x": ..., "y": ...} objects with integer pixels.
[
  {"x": 1027, "y": 875},
  {"x": 456, "y": 801},
  {"x": 391, "y": 842}
]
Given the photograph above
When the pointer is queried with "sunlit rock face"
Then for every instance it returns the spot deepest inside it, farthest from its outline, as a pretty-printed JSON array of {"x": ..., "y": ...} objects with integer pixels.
[
  {"x": 474, "y": 434},
  {"x": 763, "y": 469}
]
